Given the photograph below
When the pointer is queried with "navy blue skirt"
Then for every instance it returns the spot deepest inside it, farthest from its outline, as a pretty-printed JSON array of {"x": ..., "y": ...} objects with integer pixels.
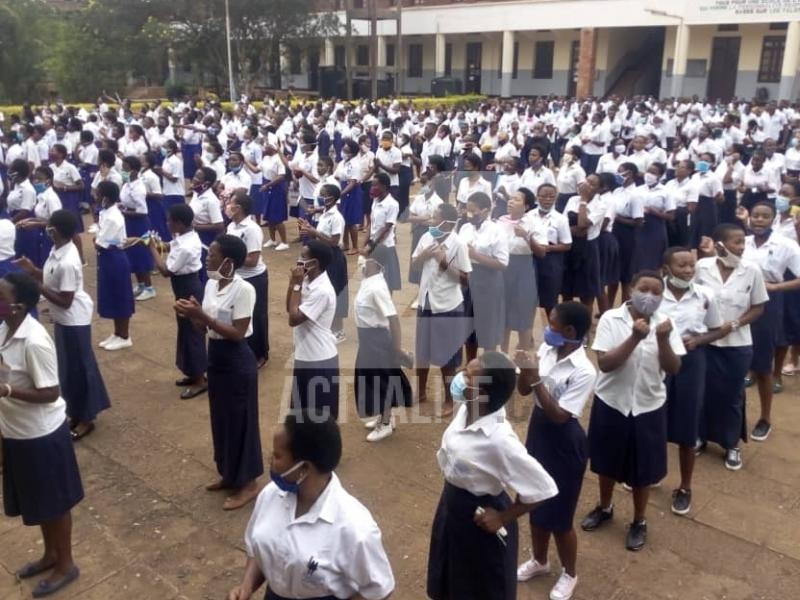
[
  {"x": 233, "y": 403},
  {"x": 378, "y": 379},
  {"x": 465, "y": 562},
  {"x": 768, "y": 334},
  {"x": 45, "y": 245},
  {"x": 521, "y": 298},
  {"x": 791, "y": 313},
  {"x": 440, "y": 337},
  {"x": 82, "y": 385},
  {"x": 626, "y": 242},
  {"x": 27, "y": 244},
  {"x": 41, "y": 480},
  {"x": 609, "y": 259},
  {"x": 337, "y": 273},
  {"x": 678, "y": 231},
  {"x": 172, "y": 200},
  {"x": 704, "y": 220},
  {"x": 650, "y": 244},
  {"x": 415, "y": 273},
  {"x": 387, "y": 257},
  {"x": 549, "y": 278},
  {"x": 139, "y": 256},
  {"x": 405, "y": 176},
  {"x": 562, "y": 449},
  {"x": 315, "y": 386},
  {"x": 206, "y": 238},
  {"x": 276, "y": 207},
  {"x": 561, "y": 201},
  {"x": 188, "y": 152},
  {"x": 723, "y": 419},
  {"x": 685, "y": 393},
  {"x": 582, "y": 274},
  {"x": 487, "y": 316},
  {"x": 71, "y": 201},
  {"x": 191, "y": 356},
  {"x": 114, "y": 292},
  {"x": 87, "y": 175},
  {"x": 628, "y": 449},
  {"x": 158, "y": 217},
  {"x": 259, "y": 199},
  {"x": 351, "y": 206},
  {"x": 727, "y": 210},
  {"x": 259, "y": 341}
]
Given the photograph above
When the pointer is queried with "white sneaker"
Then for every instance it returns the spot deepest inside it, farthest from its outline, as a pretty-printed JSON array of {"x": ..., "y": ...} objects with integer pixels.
[
  {"x": 106, "y": 341},
  {"x": 371, "y": 423},
  {"x": 340, "y": 336},
  {"x": 118, "y": 343},
  {"x": 564, "y": 587},
  {"x": 93, "y": 228},
  {"x": 281, "y": 247},
  {"x": 414, "y": 305},
  {"x": 381, "y": 432},
  {"x": 270, "y": 244},
  {"x": 147, "y": 293},
  {"x": 532, "y": 568}
]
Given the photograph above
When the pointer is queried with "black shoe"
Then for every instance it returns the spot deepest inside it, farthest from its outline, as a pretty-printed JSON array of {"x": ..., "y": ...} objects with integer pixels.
[
  {"x": 597, "y": 517},
  {"x": 733, "y": 459},
  {"x": 761, "y": 431},
  {"x": 637, "y": 536},
  {"x": 681, "y": 501}
]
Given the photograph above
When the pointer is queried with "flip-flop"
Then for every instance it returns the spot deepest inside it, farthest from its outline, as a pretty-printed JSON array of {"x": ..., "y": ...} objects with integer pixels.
[
  {"x": 46, "y": 588},
  {"x": 190, "y": 393},
  {"x": 79, "y": 436},
  {"x": 789, "y": 370},
  {"x": 32, "y": 569}
]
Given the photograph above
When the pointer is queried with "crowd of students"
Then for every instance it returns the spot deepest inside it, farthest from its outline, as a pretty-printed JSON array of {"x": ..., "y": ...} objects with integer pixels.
[{"x": 673, "y": 222}]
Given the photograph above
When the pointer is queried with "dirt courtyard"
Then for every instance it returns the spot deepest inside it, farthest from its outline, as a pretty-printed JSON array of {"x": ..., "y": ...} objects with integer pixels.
[{"x": 147, "y": 529}]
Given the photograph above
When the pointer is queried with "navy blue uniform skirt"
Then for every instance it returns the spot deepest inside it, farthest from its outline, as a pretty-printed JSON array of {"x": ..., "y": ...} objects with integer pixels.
[
  {"x": 685, "y": 393},
  {"x": 626, "y": 242},
  {"x": 276, "y": 208},
  {"x": 82, "y": 385},
  {"x": 465, "y": 562},
  {"x": 27, "y": 243},
  {"x": 259, "y": 199},
  {"x": 768, "y": 334},
  {"x": 727, "y": 210},
  {"x": 404, "y": 177},
  {"x": 270, "y": 595},
  {"x": 233, "y": 403},
  {"x": 337, "y": 273},
  {"x": 561, "y": 201},
  {"x": 206, "y": 238},
  {"x": 71, "y": 201},
  {"x": 440, "y": 337},
  {"x": 387, "y": 257},
  {"x": 158, "y": 217},
  {"x": 351, "y": 205},
  {"x": 562, "y": 449},
  {"x": 791, "y": 313},
  {"x": 582, "y": 272},
  {"x": 678, "y": 231},
  {"x": 521, "y": 298},
  {"x": 188, "y": 152},
  {"x": 87, "y": 175},
  {"x": 114, "y": 292},
  {"x": 609, "y": 259},
  {"x": 650, "y": 244},
  {"x": 486, "y": 316},
  {"x": 749, "y": 199},
  {"x": 41, "y": 480},
  {"x": 549, "y": 278},
  {"x": 628, "y": 449},
  {"x": 315, "y": 386},
  {"x": 259, "y": 341},
  {"x": 379, "y": 380},
  {"x": 723, "y": 419},
  {"x": 704, "y": 220},
  {"x": 139, "y": 256},
  {"x": 191, "y": 356},
  {"x": 415, "y": 273}
]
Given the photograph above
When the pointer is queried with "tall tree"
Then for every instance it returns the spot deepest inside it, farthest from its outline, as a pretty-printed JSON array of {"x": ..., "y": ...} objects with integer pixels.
[{"x": 23, "y": 26}]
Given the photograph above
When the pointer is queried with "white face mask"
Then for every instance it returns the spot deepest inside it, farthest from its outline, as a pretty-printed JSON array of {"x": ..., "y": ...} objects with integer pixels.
[
  {"x": 218, "y": 275},
  {"x": 619, "y": 149},
  {"x": 650, "y": 179},
  {"x": 679, "y": 283}
]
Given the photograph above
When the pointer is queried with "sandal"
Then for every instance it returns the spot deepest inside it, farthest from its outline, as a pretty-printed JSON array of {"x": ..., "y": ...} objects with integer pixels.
[
  {"x": 80, "y": 435},
  {"x": 47, "y": 588},
  {"x": 790, "y": 370},
  {"x": 190, "y": 393}
]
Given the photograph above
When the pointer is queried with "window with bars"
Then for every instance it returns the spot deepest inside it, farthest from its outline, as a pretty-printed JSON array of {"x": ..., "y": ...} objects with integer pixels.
[
  {"x": 362, "y": 55},
  {"x": 543, "y": 60},
  {"x": 769, "y": 70},
  {"x": 295, "y": 60},
  {"x": 415, "y": 60}
]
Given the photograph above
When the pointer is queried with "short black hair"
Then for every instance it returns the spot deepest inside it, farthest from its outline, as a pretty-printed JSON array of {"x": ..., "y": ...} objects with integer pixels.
[
  {"x": 320, "y": 251},
  {"x": 181, "y": 213},
  {"x": 134, "y": 164},
  {"x": 529, "y": 196},
  {"x": 64, "y": 222},
  {"x": 499, "y": 378},
  {"x": 106, "y": 157},
  {"x": 724, "y": 230},
  {"x": 629, "y": 166},
  {"x": 577, "y": 152},
  {"x": 26, "y": 289},
  {"x": 474, "y": 160},
  {"x": 209, "y": 175},
  {"x": 645, "y": 274},
  {"x": 480, "y": 199},
  {"x": 232, "y": 247},
  {"x": 21, "y": 167},
  {"x": 245, "y": 202},
  {"x": 448, "y": 211},
  {"x": 383, "y": 179},
  {"x": 438, "y": 161},
  {"x": 672, "y": 251},
  {"x": 108, "y": 189},
  {"x": 661, "y": 167},
  {"x": 314, "y": 438},
  {"x": 576, "y": 315},
  {"x": 769, "y": 205},
  {"x": 44, "y": 171},
  {"x": 331, "y": 190}
]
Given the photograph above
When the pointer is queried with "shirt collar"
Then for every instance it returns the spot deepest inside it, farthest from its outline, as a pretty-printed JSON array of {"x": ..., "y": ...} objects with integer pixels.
[
  {"x": 486, "y": 424},
  {"x": 325, "y": 507},
  {"x": 59, "y": 253},
  {"x": 576, "y": 357},
  {"x": 24, "y": 329}
]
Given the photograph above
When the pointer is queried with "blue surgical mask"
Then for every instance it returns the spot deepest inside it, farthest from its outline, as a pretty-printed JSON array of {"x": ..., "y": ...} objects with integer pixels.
[
  {"x": 279, "y": 479},
  {"x": 40, "y": 187},
  {"x": 458, "y": 386},
  {"x": 703, "y": 166},
  {"x": 236, "y": 169},
  {"x": 126, "y": 176},
  {"x": 781, "y": 204},
  {"x": 435, "y": 232},
  {"x": 164, "y": 152},
  {"x": 556, "y": 338},
  {"x": 619, "y": 179}
]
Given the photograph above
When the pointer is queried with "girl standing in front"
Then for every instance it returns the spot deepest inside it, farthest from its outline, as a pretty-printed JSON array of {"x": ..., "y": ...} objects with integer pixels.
[
  {"x": 133, "y": 202},
  {"x": 350, "y": 172},
  {"x": 276, "y": 209},
  {"x": 628, "y": 218},
  {"x": 21, "y": 201},
  {"x": 659, "y": 209}
]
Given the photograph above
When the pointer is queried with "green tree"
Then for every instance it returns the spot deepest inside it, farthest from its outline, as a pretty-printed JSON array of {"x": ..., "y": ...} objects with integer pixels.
[{"x": 23, "y": 26}]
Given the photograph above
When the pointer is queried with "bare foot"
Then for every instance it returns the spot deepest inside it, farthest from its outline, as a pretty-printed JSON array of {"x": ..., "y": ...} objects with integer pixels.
[
  {"x": 422, "y": 398},
  {"x": 217, "y": 486},
  {"x": 447, "y": 410},
  {"x": 242, "y": 497}
]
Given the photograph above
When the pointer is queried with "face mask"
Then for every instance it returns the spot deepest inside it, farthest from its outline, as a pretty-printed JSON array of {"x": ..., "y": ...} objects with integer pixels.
[
  {"x": 650, "y": 179},
  {"x": 781, "y": 204},
  {"x": 619, "y": 149},
  {"x": 229, "y": 212},
  {"x": 538, "y": 163},
  {"x": 793, "y": 142},
  {"x": 40, "y": 187},
  {"x": 645, "y": 302},
  {"x": 217, "y": 275},
  {"x": 236, "y": 169},
  {"x": 545, "y": 211},
  {"x": 458, "y": 387},
  {"x": 619, "y": 179},
  {"x": 649, "y": 146},
  {"x": 199, "y": 188},
  {"x": 679, "y": 283},
  {"x": 365, "y": 148},
  {"x": 279, "y": 479},
  {"x": 556, "y": 339},
  {"x": 304, "y": 263},
  {"x": 703, "y": 166},
  {"x": 164, "y": 152},
  {"x": 126, "y": 177},
  {"x": 374, "y": 192}
]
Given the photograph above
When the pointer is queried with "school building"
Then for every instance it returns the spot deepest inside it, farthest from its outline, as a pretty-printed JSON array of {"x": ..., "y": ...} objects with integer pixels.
[{"x": 708, "y": 48}]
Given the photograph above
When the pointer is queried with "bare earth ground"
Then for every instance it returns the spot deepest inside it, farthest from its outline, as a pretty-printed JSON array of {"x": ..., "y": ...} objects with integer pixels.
[{"x": 148, "y": 530}]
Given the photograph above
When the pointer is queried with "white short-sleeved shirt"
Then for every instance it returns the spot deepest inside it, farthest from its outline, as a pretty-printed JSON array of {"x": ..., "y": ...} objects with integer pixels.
[
  {"x": 88, "y": 154},
  {"x": 63, "y": 272},
  {"x": 487, "y": 457},
  {"x": 111, "y": 228},
  {"x": 184, "y": 255},
  {"x": 532, "y": 179},
  {"x": 596, "y": 212},
  {"x": 253, "y": 153},
  {"x": 656, "y": 197},
  {"x": 8, "y": 236},
  {"x": 66, "y": 173},
  {"x": 133, "y": 197},
  {"x": 551, "y": 228},
  {"x": 681, "y": 193},
  {"x": 308, "y": 164},
  {"x": 338, "y": 536},
  {"x": 489, "y": 239},
  {"x": 272, "y": 167},
  {"x": 707, "y": 184},
  {"x": 438, "y": 289},
  {"x": 637, "y": 387},
  {"x": 695, "y": 313},
  {"x": 775, "y": 256},
  {"x": 516, "y": 244},
  {"x": 22, "y": 197},
  {"x": 466, "y": 188},
  {"x": 29, "y": 361},
  {"x": 206, "y": 208},
  {"x": 384, "y": 212},
  {"x": 570, "y": 380},
  {"x": 47, "y": 203},
  {"x": 112, "y": 176},
  {"x": 422, "y": 206},
  {"x": 390, "y": 157},
  {"x": 253, "y": 237},
  {"x": 569, "y": 178},
  {"x": 313, "y": 338},
  {"x": 373, "y": 304},
  {"x": 628, "y": 203},
  {"x": 743, "y": 289},
  {"x": 331, "y": 223},
  {"x": 609, "y": 164},
  {"x": 235, "y": 301},
  {"x": 152, "y": 182},
  {"x": 173, "y": 166}
]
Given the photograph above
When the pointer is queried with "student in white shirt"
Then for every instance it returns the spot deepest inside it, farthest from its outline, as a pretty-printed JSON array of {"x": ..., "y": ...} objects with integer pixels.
[
  {"x": 710, "y": 196},
  {"x": 253, "y": 271},
  {"x": 85, "y": 155},
  {"x": 610, "y": 162},
  {"x": 304, "y": 169},
  {"x": 389, "y": 159},
  {"x": 171, "y": 171},
  {"x": 472, "y": 182},
  {"x": 383, "y": 221},
  {"x": 41, "y": 480},
  {"x": 739, "y": 285},
  {"x": 636, "y": 347},
  {"x": 684, "y": 197},
  {"x": 20, "y": 202},
  {"x": 350, "y": 172},
  {"x": 561, "y": 380},
  {"x": 235, "y": 181},
  {"x": 207, "y": 211},
  {"x": 506, "y": 185},
  {"x": 481, "y": 458},
  {"x": 759, "y": 182},
  {"x": 422, "y": 208},
  {"x": 570, "y": 176},
  {"x": 276, "y": 209},
  {"x": 537, "y": 173},
  {"x": 226, "y": 315},
  {"x": 308, "y": 537},
  {"x": 68, "y": 184},
  {"x": 155, "y": 197},
  {"x": 252, "y": 154},
  {"x": 133, "y": 203},
  {"x": 183, "y": 265},
  {"x": 47, "y": 202},
  {"x": 659, "y": 209}
]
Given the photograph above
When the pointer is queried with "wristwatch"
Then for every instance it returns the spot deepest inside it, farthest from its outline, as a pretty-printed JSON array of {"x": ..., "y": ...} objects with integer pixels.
[{"x": 297, "y": 287}]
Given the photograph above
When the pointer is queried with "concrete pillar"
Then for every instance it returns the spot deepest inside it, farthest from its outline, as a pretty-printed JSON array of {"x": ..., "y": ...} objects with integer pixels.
[
  {"x": 328, "y": 55},
  {"x": 172, "y": 64},
  {"x": 586, "y": 62},
  {"x": 790, "y": 62},
  {"x": 682, "y": 37},
  {"x": 507, "y": 64},
  {"x": 440, "y": 52},
  {"x": 381, "y": 51}
]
